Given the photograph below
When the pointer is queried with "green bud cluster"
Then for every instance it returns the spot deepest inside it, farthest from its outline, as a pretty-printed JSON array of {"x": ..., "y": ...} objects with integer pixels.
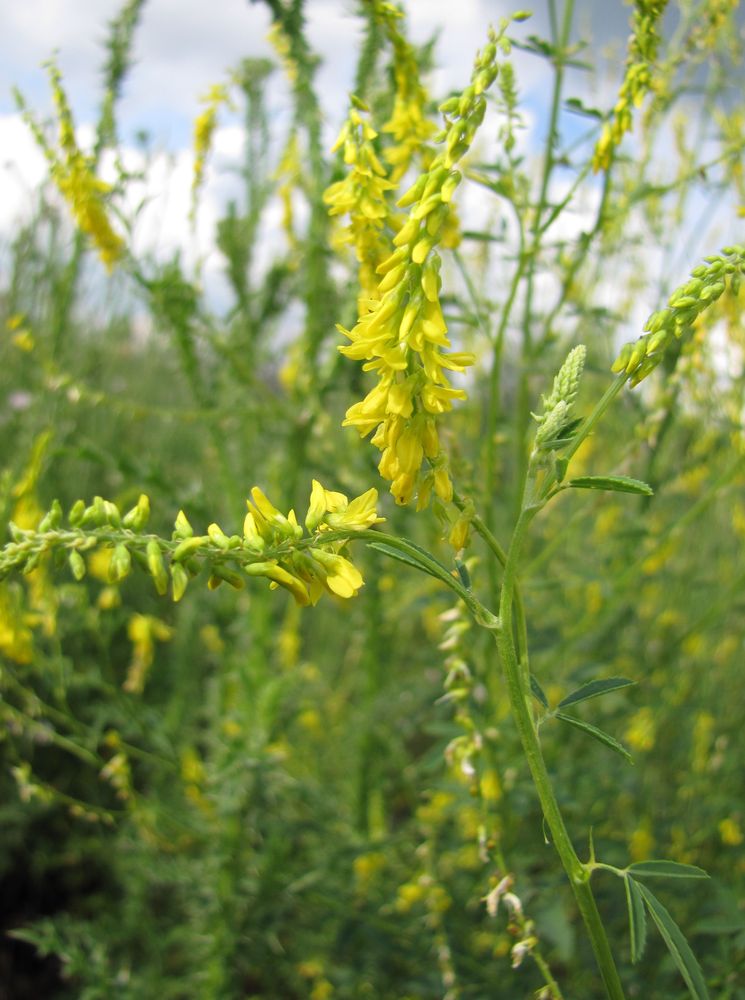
[
  {"x": 557, "y": 406},
  {"x": 707, "y": 283}
]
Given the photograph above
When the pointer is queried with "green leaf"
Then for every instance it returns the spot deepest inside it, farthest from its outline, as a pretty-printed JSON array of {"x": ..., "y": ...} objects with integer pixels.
[
  {"x": 595, "y": 688},
  {"x": 596, "y": 733},
  {"x": 637, "y": 919},
  {"x": 565, "y": 437},
  {"x": 677, "y": 945},
  {"x": 665, "y": 869},
  {"x": 472, "y": 234},
  {"x": 576, "y": 106},
  {"x": 403, "y": 557},
  {"x": 615, "y": 484},
  {"x": 465, "y": 576},
  {"x": 538, "y": 692}
]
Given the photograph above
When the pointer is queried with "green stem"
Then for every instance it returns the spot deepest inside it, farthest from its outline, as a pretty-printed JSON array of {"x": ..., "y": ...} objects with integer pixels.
[
  {"x": 542, "y": 964},
  {"x": 547, "y": 486},
  {"x": 577, "y": 873},
  {"x": 560, "y": 39},
  {"x": 519, "y": 608},
  {"x": 429, "y": 564},
  {"x": 493, "y": 408}
]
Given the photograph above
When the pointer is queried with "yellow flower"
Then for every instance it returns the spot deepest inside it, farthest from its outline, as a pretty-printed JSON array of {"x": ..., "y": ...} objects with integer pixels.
[
  {"x": 342, "y": 577},
  {"x": 16, "y": 638},
  {"x": 730, "y": 832},
  {"x": 641, "y": 730},
  {"x": 305, "y": 572},
  {"x": 333, "y": 510},
  {"x": 641, "y": 844},
  {"x": 282, "y": 577},
  {"x": 143, "y": 631}
]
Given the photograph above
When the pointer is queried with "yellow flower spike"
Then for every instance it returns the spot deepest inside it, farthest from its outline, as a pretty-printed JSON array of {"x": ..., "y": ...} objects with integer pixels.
[
  {"x": 400, "y": 326},
  {"x": 204, "y": 129},
  {"x": 72, "y": 172},
  {"x": 637, "y": 82},
  {"x": 361, "y": 195}
]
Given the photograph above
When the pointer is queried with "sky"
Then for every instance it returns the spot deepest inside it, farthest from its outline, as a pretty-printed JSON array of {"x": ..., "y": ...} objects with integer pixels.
[{"x": 182, "y": 47}]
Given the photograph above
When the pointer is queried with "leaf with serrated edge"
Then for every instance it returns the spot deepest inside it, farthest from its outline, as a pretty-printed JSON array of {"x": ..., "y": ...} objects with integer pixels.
[
  {"x": 594, "y": 689},
  {"x": 677, "y": 945},
  {"x": 615, "y": 484},
  {"x": 637, "y": 920},
  {"x": 597, "y": 734},
  {"x": 665, "y": 869}
]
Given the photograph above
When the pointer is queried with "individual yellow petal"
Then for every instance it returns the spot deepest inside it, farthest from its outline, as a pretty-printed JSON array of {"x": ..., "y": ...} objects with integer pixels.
[{"x": 317, "y": 506}]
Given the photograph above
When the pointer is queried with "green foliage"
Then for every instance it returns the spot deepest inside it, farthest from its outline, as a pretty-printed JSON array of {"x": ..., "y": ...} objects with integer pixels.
[{"x": 229, "y": 794}]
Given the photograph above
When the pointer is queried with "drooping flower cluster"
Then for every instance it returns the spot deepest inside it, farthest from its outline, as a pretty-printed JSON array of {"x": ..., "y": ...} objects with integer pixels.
[
  {"x": 72, "y": 172},
  {"x": 273, "y": 546},
  {"x": 401, "y": 334},
  {"x": 637, "y": 82},
  {"x": 708, "y": 281},
  {"x": 362, "y": 196},
  {"x": 408, "y": 124}
]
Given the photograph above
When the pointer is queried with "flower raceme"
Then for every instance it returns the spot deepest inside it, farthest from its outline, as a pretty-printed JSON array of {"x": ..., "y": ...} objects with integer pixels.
[
  {"x": 362, "y": 196},
  {"x": 273, "y": 545},
  {"x": 408, "y": 124},
  {"x": 204, "y": 130},
  {"x": 401, "y": 334},
  {"x": 638, "y": 80},
  {"x": 74, "y": 175},
  {"x": 707, "y": 283}
]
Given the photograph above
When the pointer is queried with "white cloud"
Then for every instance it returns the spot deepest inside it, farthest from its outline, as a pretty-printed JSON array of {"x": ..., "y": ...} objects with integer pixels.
[{"x": 23, "y": 169}]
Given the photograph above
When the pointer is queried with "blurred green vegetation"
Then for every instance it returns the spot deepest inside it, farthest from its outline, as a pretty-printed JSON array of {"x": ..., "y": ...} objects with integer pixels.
[{"x": 236, "y": 797}]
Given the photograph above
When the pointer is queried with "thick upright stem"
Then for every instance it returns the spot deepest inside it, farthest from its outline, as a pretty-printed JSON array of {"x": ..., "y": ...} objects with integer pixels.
[{"x": 578, "y": 874}]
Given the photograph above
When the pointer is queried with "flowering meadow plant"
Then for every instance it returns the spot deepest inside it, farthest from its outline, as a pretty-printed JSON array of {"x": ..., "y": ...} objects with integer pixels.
[{"x": 380, "y": 747}]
